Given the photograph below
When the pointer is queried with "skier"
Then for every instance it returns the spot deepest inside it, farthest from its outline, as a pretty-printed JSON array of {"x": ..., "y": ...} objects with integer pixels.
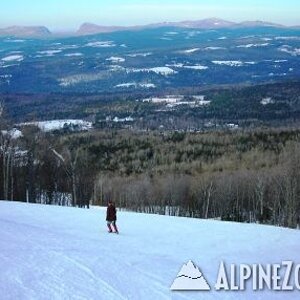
[{"x": 111, "y": 217}]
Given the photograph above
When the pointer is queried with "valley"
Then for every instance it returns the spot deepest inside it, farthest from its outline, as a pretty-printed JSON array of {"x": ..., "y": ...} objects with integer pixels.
[{"x": 149, "y": 60}]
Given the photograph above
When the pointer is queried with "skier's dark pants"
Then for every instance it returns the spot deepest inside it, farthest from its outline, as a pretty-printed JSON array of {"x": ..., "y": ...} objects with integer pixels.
[{"x": 112, "y": 226}]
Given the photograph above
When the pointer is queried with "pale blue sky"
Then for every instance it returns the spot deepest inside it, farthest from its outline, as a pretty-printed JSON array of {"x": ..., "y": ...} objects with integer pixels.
[{"x": 69, "y": 14}]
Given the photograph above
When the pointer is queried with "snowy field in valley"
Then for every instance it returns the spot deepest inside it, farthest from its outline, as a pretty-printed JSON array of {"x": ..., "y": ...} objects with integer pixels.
[
  {"x": 50, "y": 252},
  {"x": 52, "y": 125}
]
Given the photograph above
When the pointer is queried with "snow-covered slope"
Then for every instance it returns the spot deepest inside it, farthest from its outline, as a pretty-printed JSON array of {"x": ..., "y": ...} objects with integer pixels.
[{"x": 49, "y": 252}]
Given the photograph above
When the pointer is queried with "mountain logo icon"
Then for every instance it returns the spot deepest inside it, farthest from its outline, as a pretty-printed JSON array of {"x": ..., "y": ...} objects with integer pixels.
[{"x": 190, "y": 278}]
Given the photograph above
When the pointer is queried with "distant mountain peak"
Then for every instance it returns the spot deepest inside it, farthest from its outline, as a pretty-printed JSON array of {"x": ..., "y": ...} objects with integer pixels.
[
  {"x": 90, "y": 28},
  {"x": 25, "y": 31}
]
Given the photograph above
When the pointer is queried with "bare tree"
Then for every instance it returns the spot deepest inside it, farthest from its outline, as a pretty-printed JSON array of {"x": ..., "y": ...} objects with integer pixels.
[
  {"x": 208, "y": 193},
  {"x": 7, "y": 153},
  {"x": 70, "y": 164}
]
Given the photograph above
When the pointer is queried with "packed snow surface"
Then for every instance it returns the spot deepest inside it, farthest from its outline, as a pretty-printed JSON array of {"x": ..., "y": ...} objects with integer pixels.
[{"x": 51, "y": 252}]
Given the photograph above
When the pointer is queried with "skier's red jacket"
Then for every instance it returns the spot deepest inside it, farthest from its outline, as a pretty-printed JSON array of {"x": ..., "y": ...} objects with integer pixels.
[{"x": 111, "y": 213}]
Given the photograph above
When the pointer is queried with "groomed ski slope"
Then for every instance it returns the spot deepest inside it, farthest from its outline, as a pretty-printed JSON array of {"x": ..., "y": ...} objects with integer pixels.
[{"x": 50, "y": 252}]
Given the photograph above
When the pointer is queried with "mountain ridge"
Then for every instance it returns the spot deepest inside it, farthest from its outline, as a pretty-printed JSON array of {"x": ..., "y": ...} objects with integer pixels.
[
  {"x": 208, "y": 23},
  {"x": 89, "y": 28}
]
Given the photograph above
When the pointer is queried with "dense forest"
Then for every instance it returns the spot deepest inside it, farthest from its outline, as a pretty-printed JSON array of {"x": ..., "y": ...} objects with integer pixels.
[
  {"x": 238, "y": 104},
  {"x": 245, "y": 175}
]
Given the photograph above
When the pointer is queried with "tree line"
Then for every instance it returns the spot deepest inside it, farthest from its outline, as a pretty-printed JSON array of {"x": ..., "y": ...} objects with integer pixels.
[{"x": 243, "y": 176}]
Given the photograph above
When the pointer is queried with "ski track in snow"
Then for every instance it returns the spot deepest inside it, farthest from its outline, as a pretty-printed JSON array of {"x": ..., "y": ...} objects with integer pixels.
[{"x": 50, "y": 252}]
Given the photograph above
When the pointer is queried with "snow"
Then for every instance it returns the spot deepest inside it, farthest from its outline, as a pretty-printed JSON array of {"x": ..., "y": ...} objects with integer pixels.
[
  {"x": 176, "y": 65},
  {"x": 52, "y": 252},
  {"x": 180, "y": 65},
  {"x": 140, "y": 54},
  {"x": 15, "y": 52},
  {"x": 203, "y": 102},
  {"x": 59, "y": 124},
  {"x": 172, "y": 33},
  {"x": 196, "y": 67},
  {"x": 135, "y": 85},
  {"x": 126, "y": 85},
  {"x": 68, "y": 47},
  {"x": 277, "y": 74},
  {"x": 117, "y": 68},
  {"x": 288, "y": 49},
  {"x": 48, "y": 52},
  {"x": 192, "y": 104},
  {"x": 214, "y": 48},
  {"x": 122, "y": 120},
  {"x": 173, "y": 101},
  {"x": 231, "y": 63},
  {"x": 165, "y": 71},
  {"x": 13, "y": 133},
  {"x": 8, "y": 66},
  {"x": 103, "y": 44},
  {"x": 116, "y": 59},
  {"x": 253, "y": 45},
  {"x": 192, "y": 34},
  {"x": 200, "y": 98},
  {"x": 74, "y": 54},
  {"x": 267, "y": 100},
  {"x": 189, "y": 51},
  {"x": 167, "y": 99},
  {"x": 232, "y": 126},
  {"x": 287, "y": 38},
  {"x": 13, "y": 58},
  {"x": 15, "y": 41},
  {"x": 147, "y": 85},
  {"x": 5, "y": 78}
]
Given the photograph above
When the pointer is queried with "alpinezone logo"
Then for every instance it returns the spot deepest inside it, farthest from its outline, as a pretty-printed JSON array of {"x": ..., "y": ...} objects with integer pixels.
[
  {"x": 190, "y": 278},
  {"x": 276, "y": 277}
]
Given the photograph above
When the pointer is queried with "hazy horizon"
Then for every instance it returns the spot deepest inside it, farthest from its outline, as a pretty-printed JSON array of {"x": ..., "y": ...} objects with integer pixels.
[{"x": 68, "y": 15}]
